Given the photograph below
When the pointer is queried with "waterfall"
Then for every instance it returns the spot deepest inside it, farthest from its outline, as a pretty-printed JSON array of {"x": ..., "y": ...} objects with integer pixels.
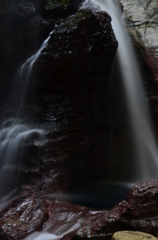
[
  {"x": 25, "y": 70},
  {"x": 14, "y": 132},
  {"x": 145, "y": 164}
]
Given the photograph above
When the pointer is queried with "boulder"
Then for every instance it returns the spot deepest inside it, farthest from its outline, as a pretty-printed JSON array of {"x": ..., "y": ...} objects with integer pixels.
[
  {"x": 129, "y": 235},
  {"x": 77, "y": 66},
  {"x": 71, "y": 78}
]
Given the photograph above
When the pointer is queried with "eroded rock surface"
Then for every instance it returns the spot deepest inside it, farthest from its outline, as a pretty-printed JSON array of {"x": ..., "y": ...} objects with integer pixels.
[
  {"x": 142, "y": 19},
  {"x": 71, "y": 78},
  {"x": 34, "y": 210},
  {"x": 67, "y": 97}
]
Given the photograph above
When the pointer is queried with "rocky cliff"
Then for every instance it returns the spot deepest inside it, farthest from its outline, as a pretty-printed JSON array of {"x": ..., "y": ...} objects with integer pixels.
[
  {"x": 70, "y": 97},
  {"x": 67, "y": 96}
]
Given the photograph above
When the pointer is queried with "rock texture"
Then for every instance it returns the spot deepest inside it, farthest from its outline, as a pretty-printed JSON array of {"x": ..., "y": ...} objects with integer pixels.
[
  {"x": 67, "y": 96},
  {"x": 129, "y": 235},
  {"x": 142, "y": 19},
  {"x": 34, "y": 210},
  {"x": 71, "y": 78}
]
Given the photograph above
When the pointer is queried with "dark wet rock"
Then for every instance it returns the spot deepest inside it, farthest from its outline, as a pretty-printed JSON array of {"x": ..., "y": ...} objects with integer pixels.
[
  {"x": 138, "y": 211},
  {"x": 73, "y": 6},
  {"x": 71, "y": 79},
  {"x": 84, "y": 62},
  {"x": 22, "y": 8},
  {"x": 61, "y": 8},
  {"x": 29, "y": 212},
  {"x": 71, "y": 102},
  {"x": 3, "y": 7},
  {"x": 24, "y": 217},
  {"x": 39, "y": 5},
  {"x": 34, "y": 32},
  {"x": 56, "y": 9}
]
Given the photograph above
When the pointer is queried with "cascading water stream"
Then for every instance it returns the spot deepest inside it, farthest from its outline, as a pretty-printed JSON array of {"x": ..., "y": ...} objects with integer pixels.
[
  {"x": 13, "y": 134},
  {"x": 145, "y": 165},
  {"x": 25, "y": 71}
]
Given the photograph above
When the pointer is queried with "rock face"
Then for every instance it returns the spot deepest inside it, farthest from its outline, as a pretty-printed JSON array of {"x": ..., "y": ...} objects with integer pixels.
[
  {"x": 71, "y": 78},
  {"x": 34, "y": 210},
  {"x": 142, "y": 19},
  {"x": 84, "y": 59},
  {"x": 67, "y": 96},
  {"x": 136, "y": 212}
]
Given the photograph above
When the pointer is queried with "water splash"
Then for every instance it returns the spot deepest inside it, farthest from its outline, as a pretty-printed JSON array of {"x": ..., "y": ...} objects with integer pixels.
[{"x": 145, "y": 150}]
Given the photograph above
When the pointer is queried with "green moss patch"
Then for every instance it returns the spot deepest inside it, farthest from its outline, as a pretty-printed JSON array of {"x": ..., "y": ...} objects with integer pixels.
[{"x": 51, "y": 4}]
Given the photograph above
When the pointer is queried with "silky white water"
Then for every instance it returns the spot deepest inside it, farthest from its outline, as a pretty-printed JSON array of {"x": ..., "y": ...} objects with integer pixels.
[
  {"x": 25, "y": 70},
  {"x": 60, "y": 231},
  {"x": 145, "y": 165},
  {"x": 14, "y": 132}
]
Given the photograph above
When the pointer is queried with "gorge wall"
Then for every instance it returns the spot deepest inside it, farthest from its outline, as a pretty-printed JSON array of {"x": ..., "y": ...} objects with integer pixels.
[
  {"x": 67, "y": 96},
  {"x": 69, "y": 87},
  {"x": 72, "y": 95}
]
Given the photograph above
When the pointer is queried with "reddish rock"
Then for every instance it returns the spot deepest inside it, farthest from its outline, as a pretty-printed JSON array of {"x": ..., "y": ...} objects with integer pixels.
[
  {"x": 138, "y": 211},
  {"x": 35, "y": 211},
  {"x": 151, "y": 57}
]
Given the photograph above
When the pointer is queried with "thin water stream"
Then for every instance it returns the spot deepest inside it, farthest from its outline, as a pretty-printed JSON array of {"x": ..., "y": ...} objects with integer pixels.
[{"x": 14, "y": 132}]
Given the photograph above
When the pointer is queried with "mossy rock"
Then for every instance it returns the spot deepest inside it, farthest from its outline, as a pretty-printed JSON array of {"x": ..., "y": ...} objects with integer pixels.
[
  {"x": 72, "y": 22},
  {"x": 61, "y": 8},
  {"x": 51, "y": 4}
]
